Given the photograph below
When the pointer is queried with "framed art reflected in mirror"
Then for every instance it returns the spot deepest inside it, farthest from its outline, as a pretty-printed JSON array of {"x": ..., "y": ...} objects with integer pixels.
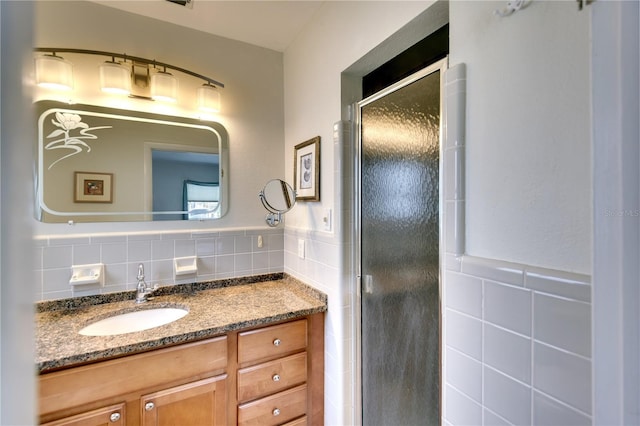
[{"x": 93, "y": 187}]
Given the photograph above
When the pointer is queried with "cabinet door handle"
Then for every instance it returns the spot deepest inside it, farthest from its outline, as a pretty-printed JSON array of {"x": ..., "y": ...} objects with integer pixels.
[
  {"x": 149, "y": 406},
  {"x": 276, "y": 412},
  {"x": 276, "y": 378},
  {"x": 277, "y": 342},
  {"x": 114, "y": 417}
]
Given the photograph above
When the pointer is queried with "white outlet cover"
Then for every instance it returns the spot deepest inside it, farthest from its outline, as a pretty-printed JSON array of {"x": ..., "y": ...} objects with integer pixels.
[{"x": 301, "y": 249}]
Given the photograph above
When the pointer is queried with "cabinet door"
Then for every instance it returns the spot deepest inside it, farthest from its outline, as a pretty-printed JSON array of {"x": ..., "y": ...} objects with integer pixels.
[
  {"x": 198, "y": 403},
  {"x": 107, "y": 416}
]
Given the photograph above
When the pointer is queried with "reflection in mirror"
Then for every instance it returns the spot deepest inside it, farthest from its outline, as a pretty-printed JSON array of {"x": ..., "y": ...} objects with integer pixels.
[
  {"x": 100, "y": 164},
  {"x": 197, "y": 195},
  {"x": 277, "y": 197}
]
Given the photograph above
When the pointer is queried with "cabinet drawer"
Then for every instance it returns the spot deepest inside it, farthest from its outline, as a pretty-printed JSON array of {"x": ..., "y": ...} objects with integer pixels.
[
  {"x": 272, "y": 342},
  {"x": 273, "y": 376},
  {"x": 275, "y": 409},
  {"x": 107, "y": 379}
]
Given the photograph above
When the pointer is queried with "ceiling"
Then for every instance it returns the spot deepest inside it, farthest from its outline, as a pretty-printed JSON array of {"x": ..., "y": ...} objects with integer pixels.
[{"x": 265, "y": 23}]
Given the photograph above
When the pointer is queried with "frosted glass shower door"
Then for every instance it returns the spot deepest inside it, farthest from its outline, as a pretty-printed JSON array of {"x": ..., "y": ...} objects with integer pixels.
[{"x": 399, "y": 242}]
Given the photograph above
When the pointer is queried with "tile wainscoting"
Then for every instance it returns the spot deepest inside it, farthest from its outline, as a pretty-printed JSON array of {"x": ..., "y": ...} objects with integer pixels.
[
  {"x": 517, "y": 344},
  {"x": 221, "y": 254}
]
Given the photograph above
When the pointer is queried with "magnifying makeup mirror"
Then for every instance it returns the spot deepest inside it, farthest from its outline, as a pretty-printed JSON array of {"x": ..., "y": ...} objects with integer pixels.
[{"x": 278, "y": 197}]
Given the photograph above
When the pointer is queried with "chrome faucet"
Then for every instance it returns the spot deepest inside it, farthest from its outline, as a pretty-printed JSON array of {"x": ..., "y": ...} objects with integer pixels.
[{"x": 142, "y": 290}]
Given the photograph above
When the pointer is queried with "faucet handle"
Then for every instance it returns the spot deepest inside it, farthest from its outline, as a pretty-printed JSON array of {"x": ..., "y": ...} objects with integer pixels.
[{"x": 140, "y": 272}]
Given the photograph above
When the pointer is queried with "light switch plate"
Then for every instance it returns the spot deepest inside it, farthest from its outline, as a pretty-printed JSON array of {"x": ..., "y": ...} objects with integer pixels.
[{"x": 326, "y": 220}]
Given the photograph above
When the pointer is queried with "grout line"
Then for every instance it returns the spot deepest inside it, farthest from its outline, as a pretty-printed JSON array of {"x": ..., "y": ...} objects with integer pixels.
[
  {"x": 564, "y": 404},
  {"x": 565, "y": 351},
  {"x": 532, "y": 345},
  {"x": 482, "y": 363}
]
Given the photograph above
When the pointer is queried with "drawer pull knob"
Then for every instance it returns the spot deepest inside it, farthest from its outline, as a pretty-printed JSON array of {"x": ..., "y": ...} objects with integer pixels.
[
  {"x": 276, "y": 378},
  {"x": 114, "y": 417},
  {"x": 277, "y": 342},
  {"x": 276, "y": 411},
  {"x": 149, "y": 406}
]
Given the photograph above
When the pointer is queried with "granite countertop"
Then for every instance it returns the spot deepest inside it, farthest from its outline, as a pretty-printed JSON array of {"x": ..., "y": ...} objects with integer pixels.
[{"x": 213, "y": 311}]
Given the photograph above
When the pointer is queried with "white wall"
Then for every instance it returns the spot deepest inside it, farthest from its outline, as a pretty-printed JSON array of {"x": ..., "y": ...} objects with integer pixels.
[
  {"x": 252, "y": 100},
  {"x": 517, "y": 337},
  {"x": 528, "y": 135},
  {"x": 340, "y": 34},
  {"x": 17, "y": 388},
  {"x": 615, "y": 68},
  {"x": 527, "y": 199}
]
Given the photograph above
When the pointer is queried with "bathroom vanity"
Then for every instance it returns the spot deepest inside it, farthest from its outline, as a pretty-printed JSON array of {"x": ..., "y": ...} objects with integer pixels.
[{"x": 248, "y": 354}]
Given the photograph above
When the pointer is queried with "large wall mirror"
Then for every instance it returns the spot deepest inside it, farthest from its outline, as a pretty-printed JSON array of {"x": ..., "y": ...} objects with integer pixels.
[{"x": 100, "y": 164}]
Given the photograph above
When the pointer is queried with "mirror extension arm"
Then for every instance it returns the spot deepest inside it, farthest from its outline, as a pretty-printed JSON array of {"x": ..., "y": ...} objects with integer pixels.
[{"x": 278, "y": 197}]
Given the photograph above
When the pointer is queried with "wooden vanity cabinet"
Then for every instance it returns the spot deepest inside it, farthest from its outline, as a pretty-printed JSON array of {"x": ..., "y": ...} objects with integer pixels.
[
  {"x": 173, "y": 380},
  {"x": 221, "y": 381}
]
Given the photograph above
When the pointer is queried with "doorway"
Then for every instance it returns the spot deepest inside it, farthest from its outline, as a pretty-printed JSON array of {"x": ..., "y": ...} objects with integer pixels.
[{"x": 399, "y": 214}]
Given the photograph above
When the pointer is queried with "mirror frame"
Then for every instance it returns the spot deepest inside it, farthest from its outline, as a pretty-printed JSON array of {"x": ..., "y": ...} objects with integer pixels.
[{"x": 45, "y": 107}]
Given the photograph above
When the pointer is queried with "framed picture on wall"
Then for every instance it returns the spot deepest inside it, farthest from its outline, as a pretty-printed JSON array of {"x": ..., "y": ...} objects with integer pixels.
[
  {"x": 91, "y": 187},
  {"x": 306, "y": 170}
]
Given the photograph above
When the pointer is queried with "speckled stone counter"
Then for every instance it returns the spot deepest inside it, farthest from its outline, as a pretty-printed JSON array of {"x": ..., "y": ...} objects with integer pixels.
[{"x": 213, "y": 310}]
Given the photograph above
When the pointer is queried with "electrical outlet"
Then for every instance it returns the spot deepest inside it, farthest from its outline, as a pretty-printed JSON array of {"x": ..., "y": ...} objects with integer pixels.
[
  {"x": 301, "y": 249},
  {"x": 259, "y": 241}
]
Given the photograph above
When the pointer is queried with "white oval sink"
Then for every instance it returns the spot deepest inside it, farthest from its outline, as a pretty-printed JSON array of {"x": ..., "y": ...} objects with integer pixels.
[{"x": 133, "y": 321}]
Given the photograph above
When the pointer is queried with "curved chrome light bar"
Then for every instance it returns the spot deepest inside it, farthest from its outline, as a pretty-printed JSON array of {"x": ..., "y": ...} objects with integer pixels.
[{"x": 126, "y": 57}]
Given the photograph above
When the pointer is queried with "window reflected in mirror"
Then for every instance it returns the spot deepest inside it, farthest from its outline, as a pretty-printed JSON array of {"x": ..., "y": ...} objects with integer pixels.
[{"x": 201, "y": 200}]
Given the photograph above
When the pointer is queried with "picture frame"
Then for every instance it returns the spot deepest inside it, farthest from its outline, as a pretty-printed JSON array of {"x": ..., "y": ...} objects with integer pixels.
[
  {"x": 306, "y": 170},
  {"x": 93, "y": 187}
]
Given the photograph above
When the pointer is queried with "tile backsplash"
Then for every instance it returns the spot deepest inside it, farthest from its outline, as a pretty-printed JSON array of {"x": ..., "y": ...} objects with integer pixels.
[{"x": 220, "y": 254}]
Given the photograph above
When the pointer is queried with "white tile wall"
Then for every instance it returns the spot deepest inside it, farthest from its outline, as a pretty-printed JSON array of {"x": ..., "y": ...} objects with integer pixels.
[
  {"x": 466, "y": 377},
  {"x": 507, "y": 352},
  {"x": 547, "y": 411},
  {"x": 534, "y": 347},
  {"x": 517, "y": 338},
  {"x": 508, "y": 307},
  {"x": 327, "y": 268},
  {"x": 221, "y": 254},
  {"x": 507, "y": 397},
  {"x": 563, "y": 375},
  {"x": 321, "y": 269},
  {"x": 462, "y": 410}
]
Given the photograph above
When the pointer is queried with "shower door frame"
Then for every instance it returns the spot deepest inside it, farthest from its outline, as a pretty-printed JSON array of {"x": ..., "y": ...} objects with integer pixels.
[{"x": 440, "y": 65}]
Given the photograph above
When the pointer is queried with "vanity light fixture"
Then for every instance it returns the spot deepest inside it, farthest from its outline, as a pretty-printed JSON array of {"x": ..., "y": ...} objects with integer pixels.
[
  {"x": 122, "y": 75},
  {"x": 164, "y": 86},
  {"x": 54, "y": 72},
  {"x": 208, "y": 98},
  {"x": 115, "y": 78}
]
